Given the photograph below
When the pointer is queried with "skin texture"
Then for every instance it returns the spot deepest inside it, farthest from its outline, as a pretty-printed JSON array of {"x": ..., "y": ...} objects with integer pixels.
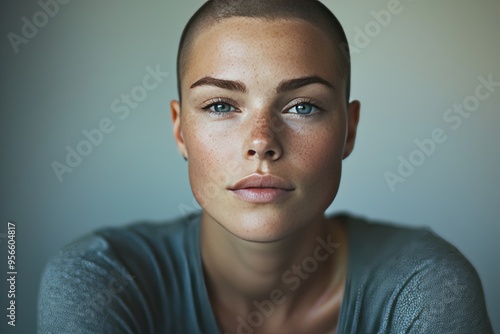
[{"x": 246, "y": 247}]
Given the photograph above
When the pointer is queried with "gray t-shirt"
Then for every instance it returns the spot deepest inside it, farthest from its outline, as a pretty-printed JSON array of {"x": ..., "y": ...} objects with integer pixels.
[{"x": 148, "y": 278}]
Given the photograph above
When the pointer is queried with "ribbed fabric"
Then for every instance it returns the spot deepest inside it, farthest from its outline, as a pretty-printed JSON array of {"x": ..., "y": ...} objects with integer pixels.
[{"x": 148, "y": 278}]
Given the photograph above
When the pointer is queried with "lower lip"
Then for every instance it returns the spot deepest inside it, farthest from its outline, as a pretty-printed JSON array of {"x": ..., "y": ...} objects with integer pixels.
[{"x": 260, "y": 195}]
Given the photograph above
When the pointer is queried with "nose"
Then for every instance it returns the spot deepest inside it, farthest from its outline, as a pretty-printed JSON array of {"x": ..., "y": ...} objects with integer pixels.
[{"x": 262, "y": 142}]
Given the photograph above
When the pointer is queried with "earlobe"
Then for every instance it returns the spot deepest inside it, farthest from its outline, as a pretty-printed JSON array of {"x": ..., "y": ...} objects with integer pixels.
[
  {"x": 175, "y": 108},
  {"x": 352, "y": 125}
]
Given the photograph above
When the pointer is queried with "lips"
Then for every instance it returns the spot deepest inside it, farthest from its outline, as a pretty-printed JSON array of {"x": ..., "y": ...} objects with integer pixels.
[{"x": 258, "y": 188}]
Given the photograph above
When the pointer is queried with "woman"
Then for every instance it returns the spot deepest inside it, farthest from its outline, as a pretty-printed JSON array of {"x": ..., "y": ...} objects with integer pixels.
[{"x": 264, "y": 121}]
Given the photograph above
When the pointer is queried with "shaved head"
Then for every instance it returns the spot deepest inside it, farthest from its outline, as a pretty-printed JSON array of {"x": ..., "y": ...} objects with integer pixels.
[{"x": 312, "y": 12}]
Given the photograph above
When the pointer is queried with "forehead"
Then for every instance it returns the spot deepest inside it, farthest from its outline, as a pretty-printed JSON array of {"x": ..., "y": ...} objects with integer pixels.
[{"x": 254, "y": 47}]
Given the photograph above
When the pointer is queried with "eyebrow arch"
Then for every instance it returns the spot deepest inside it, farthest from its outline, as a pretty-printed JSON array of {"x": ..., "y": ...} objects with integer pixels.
[
  {"x": 288, "y": 85},
  {"x": 284, "y": 86},
  {"x": 224, "y": 84}
]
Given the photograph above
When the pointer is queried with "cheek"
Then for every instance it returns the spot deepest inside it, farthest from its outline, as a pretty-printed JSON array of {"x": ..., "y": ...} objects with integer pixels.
[
  {"x": 321, "y": 145},
  {"x": 210, "y": 164},
  {"x": 321, "y": 160}
]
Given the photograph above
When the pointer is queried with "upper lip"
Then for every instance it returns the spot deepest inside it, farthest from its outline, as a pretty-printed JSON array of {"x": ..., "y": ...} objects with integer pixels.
[{"x": 262, "y": 181}]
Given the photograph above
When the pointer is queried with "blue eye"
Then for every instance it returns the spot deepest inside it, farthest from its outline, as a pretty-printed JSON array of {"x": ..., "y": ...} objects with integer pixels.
[
  {"x": 303, "y": 109},
  {"x": 221, "y": 107}
]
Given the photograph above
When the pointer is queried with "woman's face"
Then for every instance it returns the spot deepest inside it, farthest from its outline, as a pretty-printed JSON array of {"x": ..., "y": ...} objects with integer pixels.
[{"x": 264, "y": 124}]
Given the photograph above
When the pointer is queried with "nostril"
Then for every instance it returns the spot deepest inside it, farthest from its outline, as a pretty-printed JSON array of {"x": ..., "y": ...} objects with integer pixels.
[{"x": 268, "y": 153}]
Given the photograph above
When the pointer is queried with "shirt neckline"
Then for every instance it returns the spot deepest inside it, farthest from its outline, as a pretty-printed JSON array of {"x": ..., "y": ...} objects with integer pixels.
[{"x": 210, "y": 319}]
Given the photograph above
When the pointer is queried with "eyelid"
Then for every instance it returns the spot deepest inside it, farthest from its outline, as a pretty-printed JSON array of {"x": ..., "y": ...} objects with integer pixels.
[
  {"x": 209, "y": 103},
  {"x": 303, "y": 100}
]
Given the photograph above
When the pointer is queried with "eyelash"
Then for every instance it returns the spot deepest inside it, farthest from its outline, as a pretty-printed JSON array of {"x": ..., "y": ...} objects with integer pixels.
[
  {"x": 307, "y": 101},
  {"x": 211, "y": 103}
]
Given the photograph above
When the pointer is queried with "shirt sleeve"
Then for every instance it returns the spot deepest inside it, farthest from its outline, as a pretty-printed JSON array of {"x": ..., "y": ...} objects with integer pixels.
[
  {"x": 85, "y": 290},
  {"x": 443, "y": 295}
]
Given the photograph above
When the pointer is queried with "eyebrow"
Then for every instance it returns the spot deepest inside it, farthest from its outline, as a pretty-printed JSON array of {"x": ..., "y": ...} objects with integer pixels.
[
  {"x": 292, "y": 84},
  {"x": 284, "y": 86},
  {"x": 224, "y": 84}
]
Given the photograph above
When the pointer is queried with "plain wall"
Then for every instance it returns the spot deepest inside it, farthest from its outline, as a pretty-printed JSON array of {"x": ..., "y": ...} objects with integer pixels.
[{"x": 407, "y": 74}]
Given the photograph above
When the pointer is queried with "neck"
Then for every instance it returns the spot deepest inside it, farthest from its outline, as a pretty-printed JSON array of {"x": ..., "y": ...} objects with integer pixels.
[{"x": 302, "y": 270}]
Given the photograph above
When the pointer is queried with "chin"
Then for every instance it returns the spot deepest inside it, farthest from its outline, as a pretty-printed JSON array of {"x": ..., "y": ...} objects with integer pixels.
[{"x": 259, "y": 225}]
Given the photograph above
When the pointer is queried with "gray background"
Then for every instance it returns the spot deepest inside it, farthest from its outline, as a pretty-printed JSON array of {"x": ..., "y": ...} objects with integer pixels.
[{"x": 65, "y": 78}]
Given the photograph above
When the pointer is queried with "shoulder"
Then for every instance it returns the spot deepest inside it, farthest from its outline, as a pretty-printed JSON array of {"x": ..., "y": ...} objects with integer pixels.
[
  {"x": 416, "y": 280},
  {"x": 380, "y": 244},
  {"x": 111, "y": 281},
  {"x": 172, "y": 238},
  {"x": 80, "y": 283}
]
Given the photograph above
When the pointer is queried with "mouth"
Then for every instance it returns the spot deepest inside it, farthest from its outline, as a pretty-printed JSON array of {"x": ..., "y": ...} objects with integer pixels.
[
  {"x": 260, "y": 195},
  {"x": 258, "y": 188}
]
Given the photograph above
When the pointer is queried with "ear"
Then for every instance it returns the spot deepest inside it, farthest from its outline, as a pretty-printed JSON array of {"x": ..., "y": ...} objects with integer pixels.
[
  {"x": 352, "y": 126},
  {"x": 175, "y": 107}
]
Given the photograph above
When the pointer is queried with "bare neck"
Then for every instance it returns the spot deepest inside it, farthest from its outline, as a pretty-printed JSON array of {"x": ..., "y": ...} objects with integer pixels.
[{"x": 301, "y": 274}]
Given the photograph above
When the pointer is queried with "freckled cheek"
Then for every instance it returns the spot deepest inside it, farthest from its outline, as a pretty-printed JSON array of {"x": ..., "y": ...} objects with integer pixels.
[
  {"x": 209, "y": 154},
  {"x": 209, "y": 143},
  {"x": 321, "y": 158}
]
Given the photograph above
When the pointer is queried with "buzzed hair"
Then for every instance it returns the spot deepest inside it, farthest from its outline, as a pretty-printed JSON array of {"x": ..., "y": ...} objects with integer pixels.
[{"x": 310, "y": 11}]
